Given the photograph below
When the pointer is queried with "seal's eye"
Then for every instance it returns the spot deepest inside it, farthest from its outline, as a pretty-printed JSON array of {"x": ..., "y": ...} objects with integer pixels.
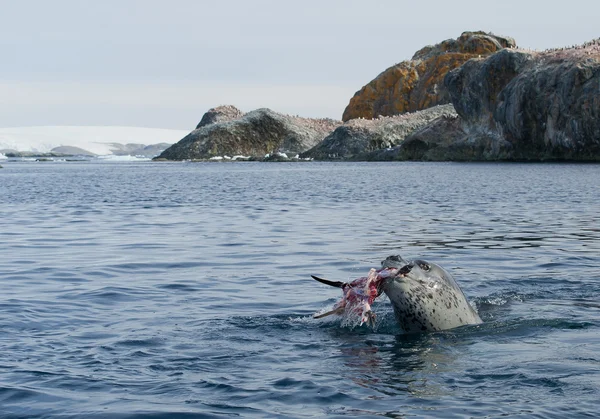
[{"x": 424, "y": 266}]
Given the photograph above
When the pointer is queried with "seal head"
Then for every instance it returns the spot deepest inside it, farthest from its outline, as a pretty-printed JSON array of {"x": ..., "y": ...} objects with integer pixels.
[{"x": 425, "y": 297}]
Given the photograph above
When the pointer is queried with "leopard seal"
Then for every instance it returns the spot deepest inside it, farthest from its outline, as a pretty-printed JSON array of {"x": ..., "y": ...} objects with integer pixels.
[{"x": 424, "y": 296}]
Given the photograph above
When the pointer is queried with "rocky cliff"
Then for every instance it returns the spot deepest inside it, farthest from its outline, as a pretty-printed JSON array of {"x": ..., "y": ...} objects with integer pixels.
[
  {"x": 441, "y": 140},
  {"x": 254, "y": 134},
  {"x": 526, "y": 105},
  {"x": 516, "y": 105},
  {"x": 417, "y": 84},
  {"x": 358, "y": 137}
]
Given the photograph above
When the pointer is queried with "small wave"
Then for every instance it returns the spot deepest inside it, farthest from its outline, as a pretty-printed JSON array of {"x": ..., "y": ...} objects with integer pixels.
[
  {"x": 517, "y": 327},
  {"x": 179, "y": 287},
  {"x": 12, "y": 394},
  {"x": 141, "y": 343},
  {"x": 501, "y": 299},
  {"x": 105, "y": 295}
]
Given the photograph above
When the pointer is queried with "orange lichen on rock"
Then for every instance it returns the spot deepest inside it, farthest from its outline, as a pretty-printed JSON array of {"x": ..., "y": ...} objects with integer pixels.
[{"x": 418, "y": 83}]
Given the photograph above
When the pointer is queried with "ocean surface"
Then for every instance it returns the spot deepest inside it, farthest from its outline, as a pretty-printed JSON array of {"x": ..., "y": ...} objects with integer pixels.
[{"x": 183, "y": 290}]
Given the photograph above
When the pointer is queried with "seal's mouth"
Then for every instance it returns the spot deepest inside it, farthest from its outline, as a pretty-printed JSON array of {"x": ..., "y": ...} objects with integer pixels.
[
  {"x": 406, "y": 269},
  {"x": 403, "y": 273}
]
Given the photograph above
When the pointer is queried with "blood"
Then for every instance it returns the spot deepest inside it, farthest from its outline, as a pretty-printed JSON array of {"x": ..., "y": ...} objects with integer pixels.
[{"x": 359, "y": 294}]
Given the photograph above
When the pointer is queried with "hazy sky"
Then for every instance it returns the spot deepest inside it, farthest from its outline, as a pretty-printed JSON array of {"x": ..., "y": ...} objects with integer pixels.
[{"x": 155, "y": 63}]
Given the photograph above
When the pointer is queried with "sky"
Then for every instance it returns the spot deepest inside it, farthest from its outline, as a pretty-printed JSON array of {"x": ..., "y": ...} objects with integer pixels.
[{"x": 163, "y": 63}]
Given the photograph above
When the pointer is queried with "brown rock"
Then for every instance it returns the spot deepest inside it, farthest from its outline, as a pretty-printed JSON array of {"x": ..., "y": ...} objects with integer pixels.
[{"x": 417, "y": 84}]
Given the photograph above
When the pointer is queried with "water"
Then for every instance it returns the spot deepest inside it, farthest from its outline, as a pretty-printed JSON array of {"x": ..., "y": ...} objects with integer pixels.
[{"x": 142, "y": 289}]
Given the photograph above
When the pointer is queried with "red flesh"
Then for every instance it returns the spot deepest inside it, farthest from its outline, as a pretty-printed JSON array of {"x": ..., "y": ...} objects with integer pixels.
[{"x": 359, "y": 294}]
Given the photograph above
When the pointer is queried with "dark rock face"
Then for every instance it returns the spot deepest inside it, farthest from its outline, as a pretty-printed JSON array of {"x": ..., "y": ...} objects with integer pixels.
[
  {"x": 417, "y": 84},
  {"x": 357, "y": 138},
  {"x": 254, "y": 134},
  {"x": 474, "y": 88},
  {"x": 522, "y": 105},
  {"x": 29, "y": 154},
  {"x": 442, "y": 140}
]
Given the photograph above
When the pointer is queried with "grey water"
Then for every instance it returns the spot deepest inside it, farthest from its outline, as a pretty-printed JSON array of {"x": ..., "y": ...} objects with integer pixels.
[{"x": 183, "y": 290}]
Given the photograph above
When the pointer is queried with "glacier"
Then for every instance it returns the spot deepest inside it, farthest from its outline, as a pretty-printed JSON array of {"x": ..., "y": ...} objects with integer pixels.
[{"x": 95, "y": 140}]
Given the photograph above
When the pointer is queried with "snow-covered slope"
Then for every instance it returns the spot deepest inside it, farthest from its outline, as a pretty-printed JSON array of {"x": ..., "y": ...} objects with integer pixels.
[{"x": 97, "y": 140}]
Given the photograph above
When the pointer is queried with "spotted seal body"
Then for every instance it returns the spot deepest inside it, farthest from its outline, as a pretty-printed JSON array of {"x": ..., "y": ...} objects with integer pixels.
[{"x": 425, "y": 297}]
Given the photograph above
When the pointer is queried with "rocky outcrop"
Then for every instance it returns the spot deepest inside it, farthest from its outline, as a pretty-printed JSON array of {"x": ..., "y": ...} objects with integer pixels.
[
  {"x": 31, "y": 154},
  {"x": 444, "y": 139},
  {"x": 254, "y": 134},
  {"x": 506, "y": 104},
  {"x": 357, "y": 138},
  {"x": 524, "y": 105},
  {"x": 516, "y": 105},
  {"x": 417, "y": 84},
  {"x": 222, "y": 113}
]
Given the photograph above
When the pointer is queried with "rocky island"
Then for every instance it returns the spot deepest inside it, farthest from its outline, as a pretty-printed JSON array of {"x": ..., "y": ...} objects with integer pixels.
[
  {"x": 227, "y": 131},
  {"x": 475, "y": 98}
]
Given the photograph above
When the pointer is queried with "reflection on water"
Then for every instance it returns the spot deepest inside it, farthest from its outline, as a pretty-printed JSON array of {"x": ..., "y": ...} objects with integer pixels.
[{"x": 402, "y": 364}]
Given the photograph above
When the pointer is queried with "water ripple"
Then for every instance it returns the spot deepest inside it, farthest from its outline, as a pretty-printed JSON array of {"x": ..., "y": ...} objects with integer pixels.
[{"x": 184, "y": 290}]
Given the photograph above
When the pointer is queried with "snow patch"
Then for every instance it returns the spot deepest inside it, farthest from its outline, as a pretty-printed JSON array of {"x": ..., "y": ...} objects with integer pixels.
[
  {"x": 97, "y": 140},
  {"x": 111, "y": 157}
]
